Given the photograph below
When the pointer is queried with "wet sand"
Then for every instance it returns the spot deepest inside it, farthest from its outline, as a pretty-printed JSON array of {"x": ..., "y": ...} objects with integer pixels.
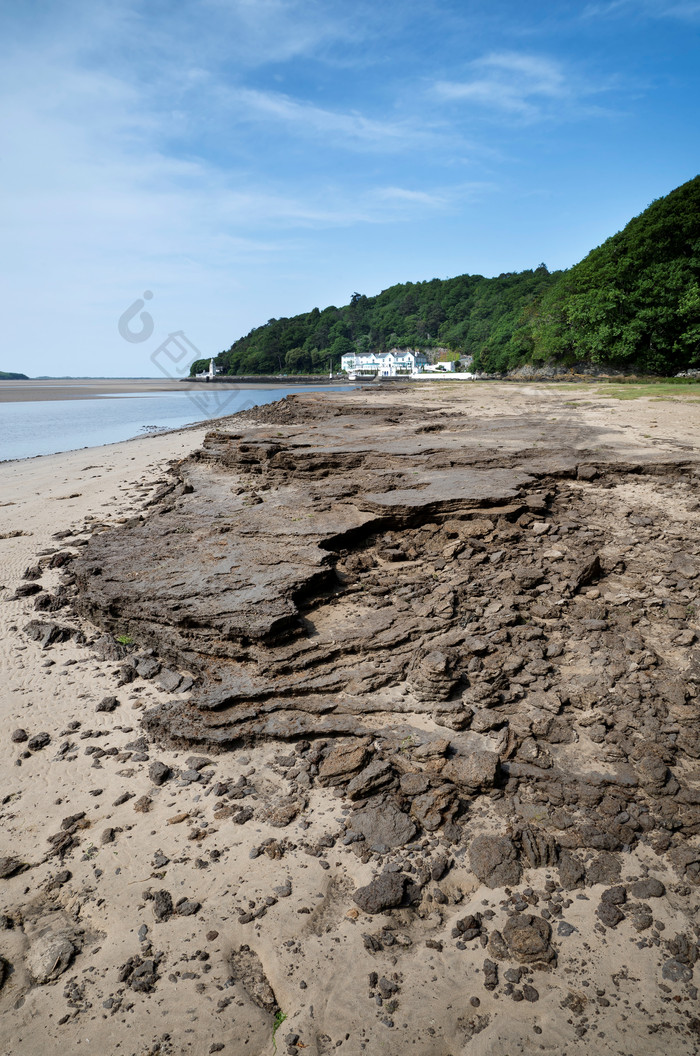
[{"x": 96, "y": 388}]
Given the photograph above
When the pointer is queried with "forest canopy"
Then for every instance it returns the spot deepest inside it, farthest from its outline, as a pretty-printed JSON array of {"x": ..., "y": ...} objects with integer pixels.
[{"x": 632, "y": 302}]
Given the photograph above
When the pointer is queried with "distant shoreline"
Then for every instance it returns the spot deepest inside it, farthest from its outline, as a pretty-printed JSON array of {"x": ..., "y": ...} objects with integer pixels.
[{"x": 99, "y": 388}]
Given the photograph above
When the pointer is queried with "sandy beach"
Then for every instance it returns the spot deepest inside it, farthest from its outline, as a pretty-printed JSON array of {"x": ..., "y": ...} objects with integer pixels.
[{"x": 139, "y": 917}]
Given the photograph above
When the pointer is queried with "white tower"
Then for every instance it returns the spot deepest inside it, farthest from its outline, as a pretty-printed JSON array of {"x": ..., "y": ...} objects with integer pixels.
[{"x": 211, "y": 368}]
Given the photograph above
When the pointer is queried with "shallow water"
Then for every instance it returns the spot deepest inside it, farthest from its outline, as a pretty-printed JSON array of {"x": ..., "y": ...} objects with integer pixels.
[{"x": 44, "y": 427}]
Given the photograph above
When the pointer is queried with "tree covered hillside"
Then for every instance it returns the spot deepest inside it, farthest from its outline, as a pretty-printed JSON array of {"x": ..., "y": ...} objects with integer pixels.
[
  {"x": 468, "y": 314},
  {"x": 633, "y": 301}
]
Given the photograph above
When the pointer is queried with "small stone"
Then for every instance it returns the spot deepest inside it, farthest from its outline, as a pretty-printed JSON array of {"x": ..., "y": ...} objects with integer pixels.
[
  {"x": 61, "y": 878},
  {"x": 25, "y": 590},
  {"x": 386, "y": 988},
  {"x": 19, "y": 736},
  {"x": 9, "y": 866},
  {"x": 615, "y": 896},
  {"x": 683, "y": 949},
  {"x": 38, "y": 741},
  {"x": 190, "y": 777},
  {"x": 642, "y": 918},
  {"x": 528, "y": 939},
  {"x": 604, "y": 869},
  {"x": 49, "y": 957},
  {"x": 169, "y": 680},
  {"x": 648, "y": 888},
  {"x": 107, "y": 704},
  {"x": 676, "y": 972},
  {"x": 147, "y": 667},
  {"x": 530, "y": 993},
  {"x": 188, "y": 907},
  {"x": 490, "y": 974},
  {"x": 494, "y": 859},
  {"x": 439, "y": 866},
  {"x": 162, "y": 905},
  {"x": 198, "y": 762},
  {"x": 571, "y": 871},
  {"x": 383, "y": 893},
  {"x": 609, "y": 914},
  {"x": 159, "y": 772},
  {"x": 383, "y": 828}
]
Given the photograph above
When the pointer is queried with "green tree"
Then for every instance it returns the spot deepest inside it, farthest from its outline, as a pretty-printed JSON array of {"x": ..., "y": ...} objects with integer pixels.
[{"x": 633, "y": 301}]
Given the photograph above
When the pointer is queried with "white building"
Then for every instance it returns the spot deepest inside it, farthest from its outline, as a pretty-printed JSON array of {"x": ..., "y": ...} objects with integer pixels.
[
  {"x": 211, "y": 373},
  {"x": 446, "y": 367},
  {"x": 391, "y": 364}
]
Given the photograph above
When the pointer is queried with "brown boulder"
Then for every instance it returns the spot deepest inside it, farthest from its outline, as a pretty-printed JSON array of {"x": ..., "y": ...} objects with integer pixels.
[
  {"x": 383, "y": 827},
  {"x": 472, "y": 771},
  {"x": 528, "y": 939},
  {"x": 430, "y": 809},
  {"x": 494, "y": 859},
  {"x": 572, "y": 871},
  {"x": 383, "y": 893},
  {"x": 342, "y": 762}
]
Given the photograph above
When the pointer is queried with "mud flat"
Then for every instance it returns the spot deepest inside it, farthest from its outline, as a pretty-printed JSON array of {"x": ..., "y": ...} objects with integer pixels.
[
  {"x": 376, "y": 711},
  {"x": 99, "y": 388}
]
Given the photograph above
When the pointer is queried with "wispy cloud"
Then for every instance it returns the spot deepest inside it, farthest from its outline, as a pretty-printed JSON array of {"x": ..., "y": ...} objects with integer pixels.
[
  {"x": 509, "y": 81},
  {"x": 436, "y": 199},
  {"x": 98, "y": 205},
  {"x": 523, "y": 87},
  {"x": 351, "y": 130},
  {"x": 683, "y": 10},
  {"x": 274, "y": 31}
]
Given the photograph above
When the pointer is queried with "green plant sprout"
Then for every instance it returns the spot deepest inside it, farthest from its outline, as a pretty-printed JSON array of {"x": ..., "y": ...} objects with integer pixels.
[{"x": 279, "y": 1020}]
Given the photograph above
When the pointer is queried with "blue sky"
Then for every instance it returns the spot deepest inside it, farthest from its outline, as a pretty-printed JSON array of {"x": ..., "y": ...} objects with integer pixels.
[{"x": 244, "y": 159}]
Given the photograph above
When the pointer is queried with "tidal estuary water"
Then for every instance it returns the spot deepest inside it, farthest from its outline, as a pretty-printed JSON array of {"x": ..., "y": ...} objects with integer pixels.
[{"x": 42, "y": 427}]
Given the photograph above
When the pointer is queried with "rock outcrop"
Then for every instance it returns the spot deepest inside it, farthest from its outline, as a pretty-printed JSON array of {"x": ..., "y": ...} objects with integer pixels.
[{"x": 475, "y": 611}]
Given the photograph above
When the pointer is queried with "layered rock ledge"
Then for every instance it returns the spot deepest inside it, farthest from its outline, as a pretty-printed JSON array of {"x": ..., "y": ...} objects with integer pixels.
[{"x": 444, "y": 608}]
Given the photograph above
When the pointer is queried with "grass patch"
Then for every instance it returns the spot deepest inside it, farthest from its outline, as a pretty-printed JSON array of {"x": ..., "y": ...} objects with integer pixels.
[
  {"x": 681, "y": 390},
  {"x": 659, "y": 390}
]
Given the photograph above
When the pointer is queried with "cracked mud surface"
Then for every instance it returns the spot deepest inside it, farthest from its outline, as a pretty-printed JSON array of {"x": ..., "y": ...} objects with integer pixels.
[{"x": 460, "y": 651}]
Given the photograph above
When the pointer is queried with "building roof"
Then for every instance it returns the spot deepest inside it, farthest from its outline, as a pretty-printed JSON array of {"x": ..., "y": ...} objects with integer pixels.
[{"x": 382, "y": 355}]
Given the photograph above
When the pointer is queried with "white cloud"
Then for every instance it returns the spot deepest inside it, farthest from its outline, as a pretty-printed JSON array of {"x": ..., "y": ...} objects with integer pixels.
[
  {"x": 352, "y": 130},
  {"x": 683, "y": 10},
  {"x": 258, "y": 32},
  {"x": 99, "y": 205},
  {"x": 404, "y": 194},
  {"x": 525, "y": 88},
  {"x": 515, "y": 83}
]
